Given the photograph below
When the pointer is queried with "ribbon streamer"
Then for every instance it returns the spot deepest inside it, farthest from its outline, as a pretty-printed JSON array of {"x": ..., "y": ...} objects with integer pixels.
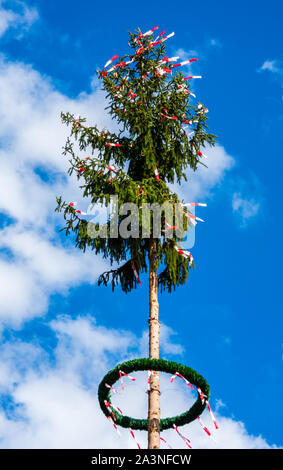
[
  {"x": 110, "y": 61},
  {"x": 136, "y": 275},
  {"x": 202, "y": 109},
  {"x": 148, "y": 33},
  {"x": 169, "y": 227},
  {"x": 112, "y": 168},
  {"x": 156, "y": 174},
  {"x": 202, "y": 395},
  {"x": 149, "y": 373},
  {"x": 185, "y": 62},
  {"x": 191, "y": 216},
  {"x": 121, "y": 373},
  {"x": 108, "y": 405},
  {"x": 205, "y": 429},
  {"x": 185, "y": 254},
  {"x": 212, "y": 415},
  {"x": 167, "y": 59},
  {"x": 111, "y": 388},
  {"x": 201, "y": 154},
  {"x": 110, "y": 144},
  {"x": 161, "y": 438},
  {"x": 161, "y": 40},
  {"x": 114, "y": 425},
  {"x": 182, "y": 377},
  {"x": 192, "y": 76},
  {"x": 168, "y": 117},
  {"x": 73, "y": 205},
  {"x": 133, "y": 436},
  {"x": 185, "y": 90},
  {"x": 81, "y": 212},
  {"x": 193, "y": 204},
  {"x": 187, "y": 441}
]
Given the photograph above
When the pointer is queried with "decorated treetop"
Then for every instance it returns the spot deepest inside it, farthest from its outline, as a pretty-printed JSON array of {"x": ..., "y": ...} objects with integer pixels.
[{"x": 150, "y": 99}]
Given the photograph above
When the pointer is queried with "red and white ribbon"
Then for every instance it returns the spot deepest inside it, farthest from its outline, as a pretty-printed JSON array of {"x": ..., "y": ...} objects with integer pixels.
[
  {"x": 141, "y": 191},
  {"x": 205, "y": 429},
  {"x": 132, "y": 96},
  {"x": 76, "y": 123},
  {"x": 148, "y": 33},
  {"x": 169, "y": 117},
  {"x": 163, "y": 440},
  {"x": 182, "y": 377},
  {"x": 202, "y": 395},
  {"x": 136, "y": 274},
  {"x": 133, "y": 436},
  {"x": 108, "y": 406},
  {"x": 149, "y": 373},
  {"x": 127, "y": 63},
  {"x": 111, "y": 388},
  {"x": 169, "y": 59},
  {"x": 73, "y": 205},
  {"x": 114, "y": 425},
  {"x": 156, "y": 174},
  {"x": 212, "y": 415},
  {"x": 191, "y": 216},
  {"x": 201, "y": 154},
  {"x": 110, "y": 61},
  {"x": 161, "y": 71},
  {"x": 193, "y": 204},
  {"x": 159, "y": 35},
  {"x": 121, "y": 373},
  {"x": 187, "y": 441},
  {"x": 185, "y": 254},
  {"x": 192, "y": 76},
  {"x": 111, "y": 168},
  {"x": 185, "y": 62},
  {"x": 169, "y": 227},
  {"x": 154, "y": 43},
  {"x": 202, "y": 109},
  {"x": 110, "y": 144},
  {"x": 81, "y": 212},
  {"x": 185, "y": 90},
  {"x": 167, "y": 37}
]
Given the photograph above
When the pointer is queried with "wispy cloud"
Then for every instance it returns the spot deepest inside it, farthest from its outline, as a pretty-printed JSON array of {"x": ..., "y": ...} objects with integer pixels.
[
  {"x": 31, "y": 139},
  {"x": 271, "y": 66},
  {"x": 245, "y": 208},
  {"x": 17, "y": 16}
]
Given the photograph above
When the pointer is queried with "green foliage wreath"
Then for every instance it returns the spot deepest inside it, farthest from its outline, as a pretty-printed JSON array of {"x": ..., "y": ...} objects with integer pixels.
[{"x": 104, "y": 394}]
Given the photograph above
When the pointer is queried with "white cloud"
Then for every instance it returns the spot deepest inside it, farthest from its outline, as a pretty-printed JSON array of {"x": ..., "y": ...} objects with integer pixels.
[
  {"x": 18, "y": 18},
  {"x": 204, "y": 182},
  {"x": 245, "y": 208},
  {"x": 32, "y": 137},
  {"x": 54, "y": 404},
  {"x": 271, "y": 66}
]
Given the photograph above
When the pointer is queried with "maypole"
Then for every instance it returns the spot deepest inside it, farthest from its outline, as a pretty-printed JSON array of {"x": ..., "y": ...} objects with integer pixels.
[
  {"x": 130, "y": 171},
  {"x": 154, "y": 382}
]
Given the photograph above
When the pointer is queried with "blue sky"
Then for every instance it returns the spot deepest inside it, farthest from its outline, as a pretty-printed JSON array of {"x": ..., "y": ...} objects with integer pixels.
[{"x": 51, "y": 310}]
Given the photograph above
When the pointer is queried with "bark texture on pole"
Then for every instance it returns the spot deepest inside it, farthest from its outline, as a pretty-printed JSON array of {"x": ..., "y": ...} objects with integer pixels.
[{"x": 154, "y": 393}]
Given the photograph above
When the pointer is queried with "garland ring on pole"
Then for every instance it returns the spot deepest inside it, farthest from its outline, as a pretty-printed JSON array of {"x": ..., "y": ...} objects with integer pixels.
[{"x": 104, "y": 394}]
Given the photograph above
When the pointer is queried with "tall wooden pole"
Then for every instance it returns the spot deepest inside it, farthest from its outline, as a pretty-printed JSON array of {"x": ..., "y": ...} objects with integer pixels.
[{"x": 153, "y": 393}]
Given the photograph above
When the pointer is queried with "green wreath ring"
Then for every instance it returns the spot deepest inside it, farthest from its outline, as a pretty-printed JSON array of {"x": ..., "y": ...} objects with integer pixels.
[{"x": 191, "y": 375}]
